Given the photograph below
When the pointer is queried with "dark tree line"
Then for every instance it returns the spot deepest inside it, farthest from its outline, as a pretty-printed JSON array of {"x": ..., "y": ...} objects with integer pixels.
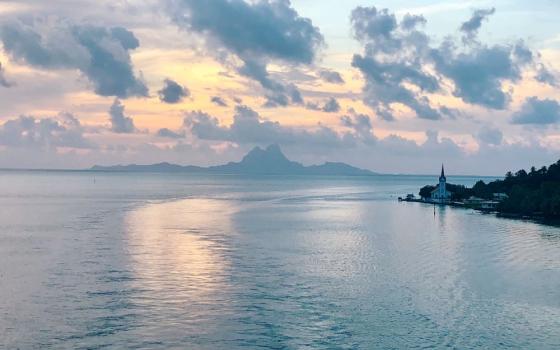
[
  {"x": 536, "y": 192},
  {"x": 459, "y": 192}
]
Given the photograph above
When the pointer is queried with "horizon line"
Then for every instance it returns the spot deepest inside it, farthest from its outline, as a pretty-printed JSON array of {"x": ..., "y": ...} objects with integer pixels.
[{"x": 213, "y": 173}]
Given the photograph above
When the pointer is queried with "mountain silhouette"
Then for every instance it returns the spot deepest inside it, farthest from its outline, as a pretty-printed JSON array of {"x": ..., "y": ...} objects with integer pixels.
[{"x": 268, "y": 161}]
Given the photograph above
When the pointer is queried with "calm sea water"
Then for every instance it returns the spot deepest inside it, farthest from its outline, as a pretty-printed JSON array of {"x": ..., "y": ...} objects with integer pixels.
[{"x": 157, "y": 261}]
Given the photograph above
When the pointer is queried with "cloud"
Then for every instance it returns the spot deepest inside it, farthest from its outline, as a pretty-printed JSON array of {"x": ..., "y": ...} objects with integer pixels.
[
  {"x": 170, "y": 134},
  {"x": 478, "y": 74},
  {"x": 356, "y": 145},
  {"x": 331, "y": 106},
  {"x": 409, "y": 22},
  {"x": 490, "y": 136},
  {"x": 478, "y": 71},
  {"x": 295, "y": 94},
  {"x": 101, "y": 54},
  {"x": 45, "y": 133},
  {"x": 360, "y": 123},
  {"x": 271, "y": 29},
  {"x": 172, "y": 92},
  {"x": 120, "y": 123},
  {"x": 373, "y": 25},
  {"x": 256, "y": 33},
  {"x": 249, "y": 128},
  {"x": 3, "y": 81},
  {"x": 331, "y": 76},
  {"x": 400, "y": 66},
  {"x": 282, "y": 96},
  {"x": 470, "y": 28},
  {"x": 392, "y": 62},
  {"x": 538, "y": 112},
  {"x": 545, "y": 76},
  {"x": 218, "y": 101},
  {"x": 277, "y": 94},
  {"x": 313, "y": 106}
]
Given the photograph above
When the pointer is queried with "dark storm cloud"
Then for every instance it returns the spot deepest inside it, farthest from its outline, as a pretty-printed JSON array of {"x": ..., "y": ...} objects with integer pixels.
[
  {"x": 101, "y": 54},
  {"x": 470, "y": 28},
  {"x": 172, "y": 92},
  {"x": 45, "y": 133},
  {"x": 538, "y": 112},
  {"x": 120, "y": 123},
  {"x": 331, "y": 76},
  {"x": 256, "y": 32},
  {"x": 218, "y": 101},
  {"x": 396, "y": 56},
  {"x": 3, "y": 81},
  {"x": 170, "y": 134}
]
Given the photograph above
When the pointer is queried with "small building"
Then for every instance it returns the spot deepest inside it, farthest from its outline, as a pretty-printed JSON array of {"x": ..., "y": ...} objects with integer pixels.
[
  {"x": 500, "y": 197},
  {"x": 440, "y": 194},
  {"x": 489, "y": 205},
  {"x": 410, "y": 196},
  {"x": 473, "y": 201}
]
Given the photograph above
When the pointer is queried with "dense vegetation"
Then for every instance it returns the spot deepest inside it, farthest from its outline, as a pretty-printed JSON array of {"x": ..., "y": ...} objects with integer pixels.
[
  {"x": 460, "y": 192},
  {"x": 533, "y": 193}
]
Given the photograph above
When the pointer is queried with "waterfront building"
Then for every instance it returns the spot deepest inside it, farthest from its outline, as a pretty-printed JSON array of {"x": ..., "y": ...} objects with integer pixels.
[
  {"x": 500, "y": 197},
  {"x": 440, "y": 194}
]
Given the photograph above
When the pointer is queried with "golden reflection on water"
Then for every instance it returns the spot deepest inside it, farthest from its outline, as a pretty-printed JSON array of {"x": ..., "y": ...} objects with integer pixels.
[{"x": 177, "y": 248}]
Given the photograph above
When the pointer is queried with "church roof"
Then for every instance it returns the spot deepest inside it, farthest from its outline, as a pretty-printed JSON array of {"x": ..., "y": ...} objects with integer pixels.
[
  {"x": 442, "y": 176},
  {"x": 436, "y": 189}
]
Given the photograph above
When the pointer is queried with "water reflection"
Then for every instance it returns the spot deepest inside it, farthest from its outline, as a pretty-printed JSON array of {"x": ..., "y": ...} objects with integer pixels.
[
  {"x": 179, "y": 245},
  {"x": 178, "y": 254}
]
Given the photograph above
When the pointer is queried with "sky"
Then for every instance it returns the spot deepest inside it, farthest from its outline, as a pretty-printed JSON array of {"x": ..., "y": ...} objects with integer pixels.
[{"x": 396, "y": 86}]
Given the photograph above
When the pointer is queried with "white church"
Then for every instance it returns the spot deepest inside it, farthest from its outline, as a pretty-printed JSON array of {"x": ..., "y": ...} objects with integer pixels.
[{"x": 440, "y": 194}]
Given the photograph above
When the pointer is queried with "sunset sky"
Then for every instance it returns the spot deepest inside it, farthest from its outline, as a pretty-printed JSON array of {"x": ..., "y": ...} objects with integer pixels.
[{"x": 391, "y": 86}]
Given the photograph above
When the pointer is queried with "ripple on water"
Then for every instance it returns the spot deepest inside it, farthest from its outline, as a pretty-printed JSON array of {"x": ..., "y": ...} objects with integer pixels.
[{"x": 313, "y": 269}]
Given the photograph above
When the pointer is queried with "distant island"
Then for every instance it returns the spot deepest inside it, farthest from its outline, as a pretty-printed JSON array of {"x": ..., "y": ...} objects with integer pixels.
[
  {"x": 532, "y": 194},
  {"x": 269, "y": 161}
]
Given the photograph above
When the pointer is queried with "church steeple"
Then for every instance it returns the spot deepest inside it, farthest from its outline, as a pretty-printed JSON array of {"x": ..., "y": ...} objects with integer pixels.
[{"x": 442, "y": 176}]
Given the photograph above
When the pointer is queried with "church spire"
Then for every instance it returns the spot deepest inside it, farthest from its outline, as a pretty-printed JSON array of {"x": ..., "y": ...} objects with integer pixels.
[{"x": 442, "y": 176}]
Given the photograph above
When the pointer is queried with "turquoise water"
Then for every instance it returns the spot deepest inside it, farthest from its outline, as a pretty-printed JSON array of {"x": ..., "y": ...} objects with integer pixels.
[{"x": 156, "y": 261}]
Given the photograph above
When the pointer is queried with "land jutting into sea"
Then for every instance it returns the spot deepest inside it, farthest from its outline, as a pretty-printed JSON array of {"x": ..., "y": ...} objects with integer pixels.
[{"x": 526, "y": 194}]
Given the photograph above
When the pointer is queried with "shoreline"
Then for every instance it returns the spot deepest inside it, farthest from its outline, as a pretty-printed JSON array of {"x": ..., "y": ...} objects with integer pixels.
[{"x": 534, "y": 218}]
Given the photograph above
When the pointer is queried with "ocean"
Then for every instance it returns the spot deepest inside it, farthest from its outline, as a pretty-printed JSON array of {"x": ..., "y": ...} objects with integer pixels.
[{"x": 174, "y": 261}]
